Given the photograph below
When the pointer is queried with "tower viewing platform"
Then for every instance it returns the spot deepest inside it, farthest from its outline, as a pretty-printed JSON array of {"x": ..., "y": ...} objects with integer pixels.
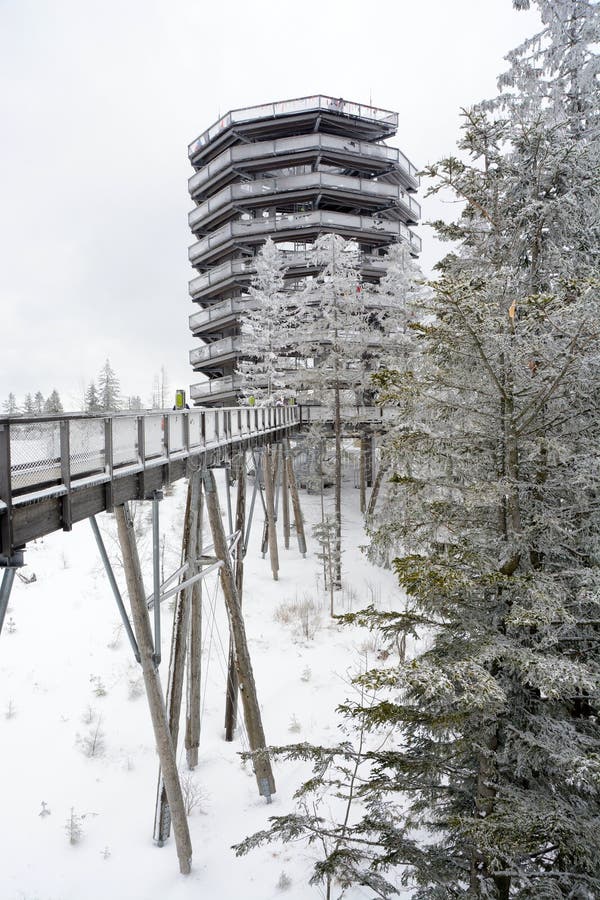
[{"x": 289, "y": 171}]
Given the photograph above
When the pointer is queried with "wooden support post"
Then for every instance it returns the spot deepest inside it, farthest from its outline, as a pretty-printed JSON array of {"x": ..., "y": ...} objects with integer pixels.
[
  {"x": 376, "y": 488},
  {"x": 231, "y": 701},
  {"x": 6, "y": 536},
  {"x": 264, "y": 546},
  {"x": 108, "y": 463},
  {"x": 158, "y": 712},
  {"x": 369, "y": 456},
  {"x": 299, "y": 522},
  {"x": 363, "y": 472},
  {"x": 65, "y": 474},
  {"x": 192, "y": 724},
  {"x": 285, "y": 498},
  {"x": 276, "y": 479},
  {"x": 243, "y": 665},
  {"x": 189, "y": 555},
  {"x": 270, "y": 504}
]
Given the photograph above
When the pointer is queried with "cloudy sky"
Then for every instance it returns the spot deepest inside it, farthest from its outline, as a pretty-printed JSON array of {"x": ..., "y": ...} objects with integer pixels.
[{"x": 98, "y": 101}]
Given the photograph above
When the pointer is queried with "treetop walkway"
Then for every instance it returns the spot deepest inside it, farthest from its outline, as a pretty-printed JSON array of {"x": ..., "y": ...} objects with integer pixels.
[{"x": 62, "y": 469}]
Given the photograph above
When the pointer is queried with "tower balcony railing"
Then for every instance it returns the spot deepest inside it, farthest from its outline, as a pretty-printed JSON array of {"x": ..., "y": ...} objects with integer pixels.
[
  {"x": 248, "y": 190},
  {"x": 290, "y": 107},
  {"x": 208, "y": 390},
  {"x": 210, "y": 352},
  {"x": 234, "y": 306},
  {"x": 298, "y": 144},
  {"x": 292, "y": 222},
  {"x": 221, "y": 273},
  {"x": 245, "y": 268}
]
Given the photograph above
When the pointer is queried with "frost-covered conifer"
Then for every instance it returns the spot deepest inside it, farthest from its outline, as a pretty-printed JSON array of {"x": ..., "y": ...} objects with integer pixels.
[
  {"x": 92, "y": 401},
  {"x": 109, "y": 395},
  {"x": 53, "y": 404},
  {"x": 496, "y": 523},
  {"x": 38, "y": 403},
  {"x": 267, "y": 328},
  {"x": 489, "y": 783},
  {"x": 339, "y": 344},
  {"x": 402, "y": 284},
  {"x": 10, "y": 407}
]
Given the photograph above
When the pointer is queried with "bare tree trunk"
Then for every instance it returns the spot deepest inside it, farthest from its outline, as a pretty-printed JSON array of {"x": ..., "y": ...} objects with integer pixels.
[
  {"x": 178, "y": 647},
  {"x": 298, "y": 520},
  {"x": 363, "y": 474},
  {"x": 285, "y": 498},
  {"x": 256, "y": 735},
  {"x": 240, "y": 522},
  {"x": 269, "y": 474},
  {"x": 192, "y": 725},
  {"x": 158, "y": 713},
  {"x": 337, "y": 426},
  {"x": 376, "y": 488}
]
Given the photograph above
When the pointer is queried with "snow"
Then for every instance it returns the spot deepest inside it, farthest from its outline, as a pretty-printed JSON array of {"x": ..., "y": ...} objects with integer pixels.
[{"x": 58, "y": 645}]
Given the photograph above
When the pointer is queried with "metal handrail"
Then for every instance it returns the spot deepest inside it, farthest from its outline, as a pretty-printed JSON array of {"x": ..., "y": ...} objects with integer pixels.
[
  {"x": 217, "y": 348},
  {"x": 298, "y": 143},
  {"x": 289, "y": 107},
  {"x": 206, "y": 389},
  {"x": 60, "y": 452},
  {"x": 269, "y": 186},
  {"x": 295, "y": 221},
  {"x": 247, "y": 268}
]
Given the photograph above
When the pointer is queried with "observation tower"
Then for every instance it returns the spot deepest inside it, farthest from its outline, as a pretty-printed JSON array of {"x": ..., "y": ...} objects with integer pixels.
[{"x": 290, "y": 171}]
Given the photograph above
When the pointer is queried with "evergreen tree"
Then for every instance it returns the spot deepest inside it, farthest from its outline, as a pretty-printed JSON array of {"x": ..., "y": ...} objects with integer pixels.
[
  {"x": 402, "y": 285},
  {"x": 92, "y": 400},
  {"x": 108, "y": 389},
  {"x": 488, "y": 785},
  {"x": 337, "y": 338},
  {"x": 10, "y": 405},
  {"x": 38, "y": 403},
  {"x": 28, "y": 405},
  {"x": 53, "y": 404},
  {"x": 267, "y": 328}
]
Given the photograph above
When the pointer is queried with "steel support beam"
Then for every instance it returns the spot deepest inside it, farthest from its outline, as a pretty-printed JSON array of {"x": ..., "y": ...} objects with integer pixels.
[
  {"x": 156, "y": 498},
  {"x": 8, "y": 578},
  {"x": 115, "y": 588}
]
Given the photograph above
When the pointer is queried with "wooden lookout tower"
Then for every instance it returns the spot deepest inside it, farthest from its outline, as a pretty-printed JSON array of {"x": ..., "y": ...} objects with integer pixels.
[{"x": 290, "y": 171}]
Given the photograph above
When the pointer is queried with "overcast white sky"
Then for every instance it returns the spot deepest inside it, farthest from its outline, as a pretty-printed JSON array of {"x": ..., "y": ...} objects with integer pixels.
[{"x": 98, "y": 101}]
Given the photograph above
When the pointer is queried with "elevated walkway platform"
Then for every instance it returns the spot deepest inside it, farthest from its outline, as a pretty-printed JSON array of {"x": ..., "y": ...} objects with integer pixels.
[{"x": 58, "y": 470}]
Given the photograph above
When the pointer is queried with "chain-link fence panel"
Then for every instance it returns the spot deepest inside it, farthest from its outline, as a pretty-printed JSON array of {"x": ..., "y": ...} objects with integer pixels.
[
  {"x": 154, "y": 436},
  {"x": 86, "y": 444},
  {"x": 125, "y": 447},
  {"x": 211, "y": 430},
  {"x": 175, "y": 432},
  {"x": 195, "y": 424},
  {"x": 35, "y": 454}
]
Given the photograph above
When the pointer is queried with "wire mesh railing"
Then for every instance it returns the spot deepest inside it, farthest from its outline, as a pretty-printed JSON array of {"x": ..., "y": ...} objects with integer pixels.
[
  {"x": 288, "y": 107},
  {"x": 37, "y": 454}
]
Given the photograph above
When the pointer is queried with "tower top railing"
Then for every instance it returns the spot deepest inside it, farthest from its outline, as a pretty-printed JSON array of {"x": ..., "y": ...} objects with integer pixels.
[{"x": 289, "y": 107}]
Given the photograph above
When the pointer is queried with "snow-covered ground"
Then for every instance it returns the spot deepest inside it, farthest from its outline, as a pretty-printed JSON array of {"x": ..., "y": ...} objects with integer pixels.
[{"x": 67, "y": 676}]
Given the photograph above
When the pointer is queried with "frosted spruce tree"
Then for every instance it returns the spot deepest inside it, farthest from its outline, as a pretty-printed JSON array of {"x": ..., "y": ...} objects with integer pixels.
[
  {"x": 318, "y": 343},
  {"x": 109, "y": 390},
  {"x": 397, "y": 298},
  {"x": 53, "y": 404},
  {"x": 10, "y": 407},
  {"x": 38, "y": 403},
  {"x": 488, "y": 785},
  {"x": 335, "y": 334},
  {"x": 92, "y": 400},
  {"x": 268, "y": 326}
]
